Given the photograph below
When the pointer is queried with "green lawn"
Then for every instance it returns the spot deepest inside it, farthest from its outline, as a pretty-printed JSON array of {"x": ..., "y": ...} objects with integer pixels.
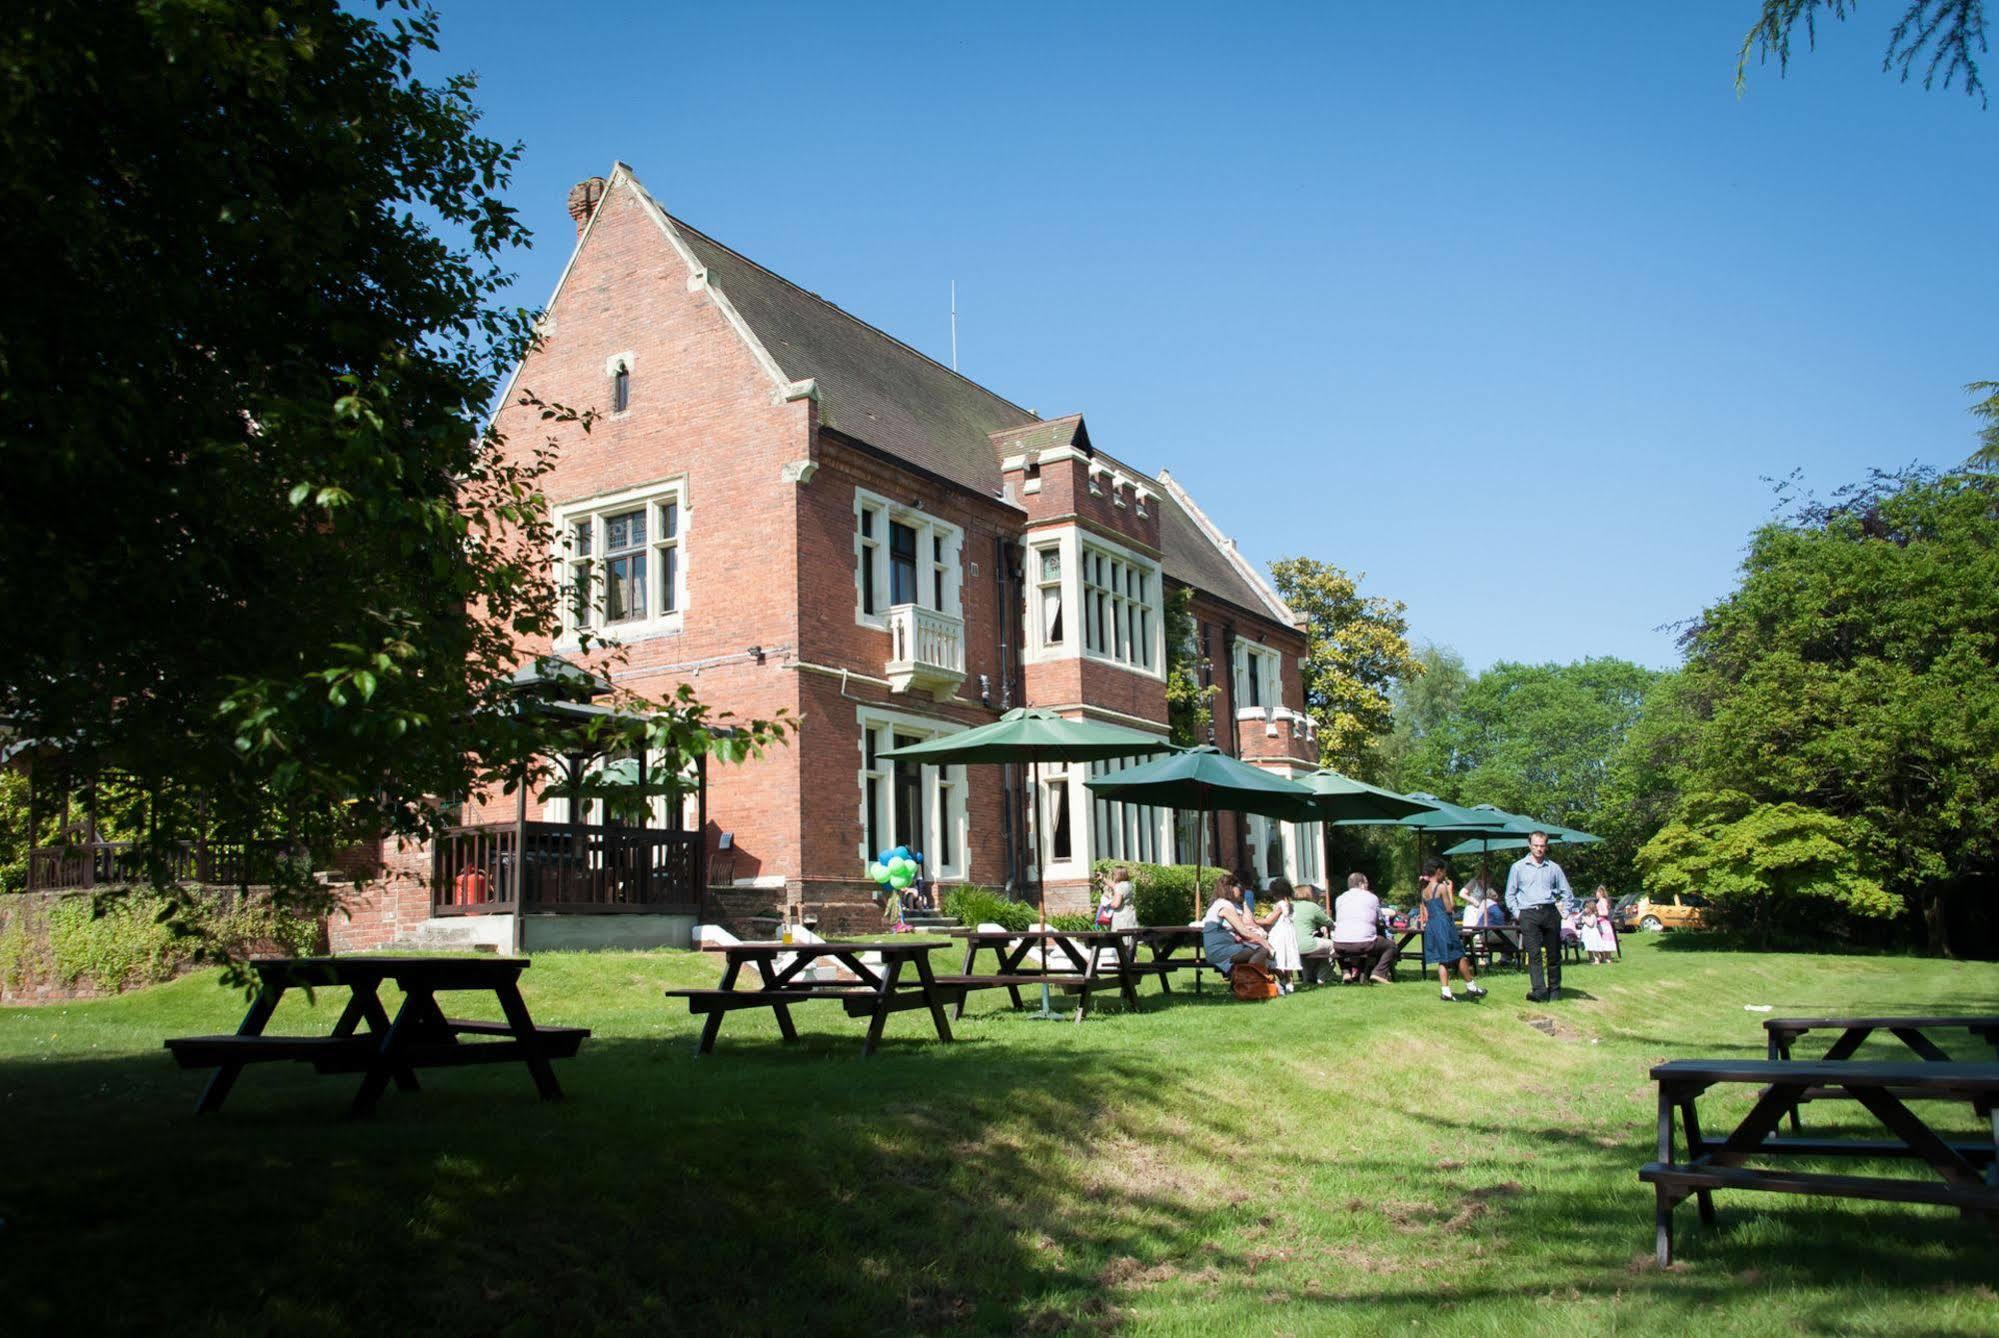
[{"x": 1346, "y": 1160}]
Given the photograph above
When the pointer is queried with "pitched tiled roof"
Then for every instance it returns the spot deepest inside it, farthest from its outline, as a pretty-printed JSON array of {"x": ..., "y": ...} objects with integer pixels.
[
  {"x": 1056, "y": 432},
  {"x": 871, "y": 386},
  {"x": 1189, "y": 556},
  {"x": 883, "y": 392}
]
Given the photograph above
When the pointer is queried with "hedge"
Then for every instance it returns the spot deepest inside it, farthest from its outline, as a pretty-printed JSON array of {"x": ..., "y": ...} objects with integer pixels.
[{"x": 1164, "y": 893}]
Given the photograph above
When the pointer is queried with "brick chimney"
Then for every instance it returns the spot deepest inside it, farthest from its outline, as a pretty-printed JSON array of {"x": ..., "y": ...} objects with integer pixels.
[{"x": 583, "y": 198}]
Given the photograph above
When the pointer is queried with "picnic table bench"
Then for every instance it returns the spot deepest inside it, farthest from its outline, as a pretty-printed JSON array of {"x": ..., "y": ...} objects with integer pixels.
[
  {"x": 1082, "y": 950},
  {"x": 1166, "y": 942},
  {"x": 1966, "y": 1168},
  {"x": 420, "y": 1036},
  {"x": 1915, "y": 1033},
  {"x": 872, "y": 993}
]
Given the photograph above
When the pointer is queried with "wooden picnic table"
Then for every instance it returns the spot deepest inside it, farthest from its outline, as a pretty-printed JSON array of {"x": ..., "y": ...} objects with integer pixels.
[
  {"x": 1083, "y": 950},
  {"x": 420, "y": 1036},
  {"x": 1915, "y": 1033},
  {"x": 871, "y": 993},
  {"x": 1970, "y": 1181}
]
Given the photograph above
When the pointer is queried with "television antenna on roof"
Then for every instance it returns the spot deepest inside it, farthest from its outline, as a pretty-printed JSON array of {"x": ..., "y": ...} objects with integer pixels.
[{"x": 954, "y": 325}]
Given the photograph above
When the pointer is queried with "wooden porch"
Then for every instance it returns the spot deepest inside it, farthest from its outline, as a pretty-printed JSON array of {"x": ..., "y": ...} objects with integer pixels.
[{"x": 563, "y": 867}]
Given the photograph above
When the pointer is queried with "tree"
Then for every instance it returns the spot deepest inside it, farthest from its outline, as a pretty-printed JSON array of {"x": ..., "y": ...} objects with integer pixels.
[
  {"x": 1950, "y": 32},
  {"x": 1766, "y": 868},
  {"x": 1356, "y": 651},
  {"x": 257, "y": 552},
  {"x": 1541, "y": 739},
  {"x": 1422, "y": 704},
  {"x": 1855, "y": 672}
]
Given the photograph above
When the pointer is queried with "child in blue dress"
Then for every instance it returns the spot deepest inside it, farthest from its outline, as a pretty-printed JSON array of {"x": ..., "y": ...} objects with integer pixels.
[{"x": 1443, "y": 946}]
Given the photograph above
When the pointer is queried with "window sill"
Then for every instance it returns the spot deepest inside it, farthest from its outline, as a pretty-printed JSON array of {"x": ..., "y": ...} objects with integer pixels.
[{"x": 624, "y": 634}]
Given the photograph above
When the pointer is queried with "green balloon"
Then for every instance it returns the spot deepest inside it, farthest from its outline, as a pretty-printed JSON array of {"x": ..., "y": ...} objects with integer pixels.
[
  {"x": 900, "y": 879},
  {"x": 877, "y": 871}
]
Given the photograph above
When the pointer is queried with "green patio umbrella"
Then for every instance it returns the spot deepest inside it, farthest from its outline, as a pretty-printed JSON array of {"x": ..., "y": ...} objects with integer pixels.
[
  {"x": 1344, "y": 799},
  {"x": 1032, "y": 736},
  {"x": 1205, "y": 779}
]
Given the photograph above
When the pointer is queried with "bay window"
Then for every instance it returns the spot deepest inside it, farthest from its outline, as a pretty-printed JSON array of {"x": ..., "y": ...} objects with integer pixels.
[{"x": 903, "y": 556}]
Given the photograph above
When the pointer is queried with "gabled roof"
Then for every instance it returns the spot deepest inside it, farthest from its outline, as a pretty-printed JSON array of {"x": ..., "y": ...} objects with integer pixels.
[
  {"x": 871, "y": 387},
  {"x": 1050, "y": 435},
  {"x": 1194, "y": 552},
  {"x": 880, "y": 391}
]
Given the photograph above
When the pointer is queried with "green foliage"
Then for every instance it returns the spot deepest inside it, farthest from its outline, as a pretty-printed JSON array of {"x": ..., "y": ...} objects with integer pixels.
[
  {"x": 1768, "y": 869},
  {"x": 983, "y": 905},
  {"x": 15, "y": 837},
  {"x": 1356, "y": 651},
  {"x": 1073, "y": 923},
  {"x": 1987, "y": 454},
  {"x": 258, "y": 435},
  {"x": 1952, "y": 32},
  {"x": 1543, "y": 740},
  {"x": 1855, "y": 672},
  {"x": 1162, "y": 894},
  {"x": 1189, "y": 706},
  {"x": 142, "y": 939}
]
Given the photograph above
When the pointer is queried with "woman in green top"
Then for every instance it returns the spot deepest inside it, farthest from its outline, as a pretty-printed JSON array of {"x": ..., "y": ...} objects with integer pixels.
[{"x": 1315, "y": 929}]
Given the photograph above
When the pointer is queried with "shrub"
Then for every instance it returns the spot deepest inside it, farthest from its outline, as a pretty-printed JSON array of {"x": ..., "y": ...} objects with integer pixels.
[
  {"x": 983, "y": 905},
  {"x": 127, "y": 940},
  {"x": 1163, "y": 893},
  {"x": 1072, "y": 924}
]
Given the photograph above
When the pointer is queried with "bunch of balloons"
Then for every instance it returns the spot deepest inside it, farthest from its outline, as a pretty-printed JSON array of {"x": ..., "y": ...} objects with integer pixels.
[{"x": 895, "y": 868}]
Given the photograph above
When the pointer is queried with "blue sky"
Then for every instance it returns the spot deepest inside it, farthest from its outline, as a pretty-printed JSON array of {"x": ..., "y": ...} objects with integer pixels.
[{"x": 1510, "y": 307}]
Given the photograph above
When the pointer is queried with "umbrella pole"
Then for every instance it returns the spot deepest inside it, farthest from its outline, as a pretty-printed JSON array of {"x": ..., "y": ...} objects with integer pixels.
[{"x": 1047, "y": 1012}]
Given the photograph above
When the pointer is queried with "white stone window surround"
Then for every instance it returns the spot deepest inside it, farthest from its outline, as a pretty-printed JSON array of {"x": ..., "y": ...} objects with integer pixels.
[
  {"x": 1139, "y": 832},
  {"x": 651, "y": 497},
  {"x": 1258, "y": 680},
  {"x": 873, "y": 549},
  {"x": 1071, "y": 542},
  {"x": 943, "y": 793}
]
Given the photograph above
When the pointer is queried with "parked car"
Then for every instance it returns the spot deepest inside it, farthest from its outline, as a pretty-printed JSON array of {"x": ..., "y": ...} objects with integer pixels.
[{"x": 1655, "y": 913}]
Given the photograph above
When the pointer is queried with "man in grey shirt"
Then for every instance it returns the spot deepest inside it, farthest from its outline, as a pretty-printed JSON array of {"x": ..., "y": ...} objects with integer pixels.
[{"x": 1537, "y": 893}]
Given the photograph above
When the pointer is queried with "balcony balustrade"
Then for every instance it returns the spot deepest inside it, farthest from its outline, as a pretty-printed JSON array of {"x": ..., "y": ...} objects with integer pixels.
[{"x": 926, "y": 651}]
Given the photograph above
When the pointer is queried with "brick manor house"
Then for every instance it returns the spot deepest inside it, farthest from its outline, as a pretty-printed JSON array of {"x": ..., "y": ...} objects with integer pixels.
[{"x": 786, "y": 507}]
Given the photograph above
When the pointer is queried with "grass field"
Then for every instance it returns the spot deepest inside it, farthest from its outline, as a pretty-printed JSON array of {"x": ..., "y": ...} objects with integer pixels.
[{"x": 1345, "y": 1160}]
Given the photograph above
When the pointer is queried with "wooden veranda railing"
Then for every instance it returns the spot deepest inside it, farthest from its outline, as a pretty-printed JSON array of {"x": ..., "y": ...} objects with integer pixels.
[
  {"x": 566, "y": 867},
  {"x": 89, "y": 864}
]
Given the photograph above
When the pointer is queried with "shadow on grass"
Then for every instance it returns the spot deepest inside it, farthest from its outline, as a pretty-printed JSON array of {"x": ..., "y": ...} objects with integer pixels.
[
  {"x": 1602, "y": 1214},
  {"x": 761, "y": 1189}
]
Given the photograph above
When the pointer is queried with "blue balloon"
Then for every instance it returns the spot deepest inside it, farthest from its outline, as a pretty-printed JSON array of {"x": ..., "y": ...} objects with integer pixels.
[
  {"x": 887, "y": 854},
  {"x": 902, "y": 852},
  {"x": 918, "y": 857}
]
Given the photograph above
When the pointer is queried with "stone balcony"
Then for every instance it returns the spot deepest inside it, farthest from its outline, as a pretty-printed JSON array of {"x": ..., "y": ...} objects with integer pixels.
[{"x": 926, "y": 651}]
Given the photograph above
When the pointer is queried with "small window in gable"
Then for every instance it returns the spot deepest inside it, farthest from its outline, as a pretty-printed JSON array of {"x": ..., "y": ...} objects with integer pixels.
[{"x": 621, "y": 388}]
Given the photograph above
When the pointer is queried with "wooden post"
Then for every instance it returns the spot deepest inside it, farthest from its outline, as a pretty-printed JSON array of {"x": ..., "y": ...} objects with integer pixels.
[{"x": 520, "y": 864}]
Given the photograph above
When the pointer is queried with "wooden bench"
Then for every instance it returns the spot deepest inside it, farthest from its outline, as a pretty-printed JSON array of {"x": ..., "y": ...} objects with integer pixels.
[{"x": 1966, "y": 1169}]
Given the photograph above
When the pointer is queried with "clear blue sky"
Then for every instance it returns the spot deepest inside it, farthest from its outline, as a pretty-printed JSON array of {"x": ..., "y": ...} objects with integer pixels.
[{"x": 1509, "y": 307}]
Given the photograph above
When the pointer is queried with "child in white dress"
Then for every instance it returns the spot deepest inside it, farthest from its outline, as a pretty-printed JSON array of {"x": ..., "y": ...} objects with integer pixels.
[{"x": 1284, "y": 959}]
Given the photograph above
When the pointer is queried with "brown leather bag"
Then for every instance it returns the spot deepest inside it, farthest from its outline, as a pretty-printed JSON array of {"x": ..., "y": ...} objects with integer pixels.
[{"x": 1250, "y": 981}]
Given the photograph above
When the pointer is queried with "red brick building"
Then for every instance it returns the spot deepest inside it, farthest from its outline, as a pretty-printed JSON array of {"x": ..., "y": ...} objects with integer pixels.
[{"x": 789, "y": 508}]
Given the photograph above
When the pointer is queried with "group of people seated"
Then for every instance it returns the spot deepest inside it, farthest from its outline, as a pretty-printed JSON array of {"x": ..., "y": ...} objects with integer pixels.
[{"x": 1295, "y": 937}]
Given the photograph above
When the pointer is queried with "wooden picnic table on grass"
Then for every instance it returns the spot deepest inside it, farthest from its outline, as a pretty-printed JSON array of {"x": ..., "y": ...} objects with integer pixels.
[
  {"x": 1915, "y": 1033},
  {"x": 1072, "y": 960},
  {"x": 868, "y": 992},
  {"x": 421, "y": 1036},
  {"x": 1968, "y": 1169}
]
